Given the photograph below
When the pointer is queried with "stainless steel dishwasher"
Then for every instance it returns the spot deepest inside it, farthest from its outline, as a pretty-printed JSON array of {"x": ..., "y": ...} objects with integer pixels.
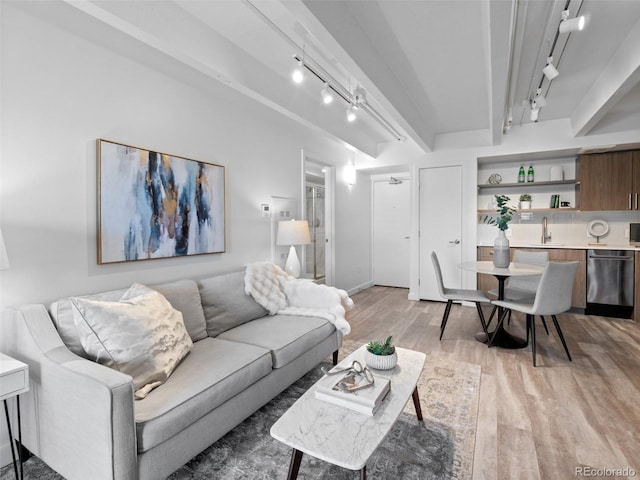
[{"x": 610, "y": 283}]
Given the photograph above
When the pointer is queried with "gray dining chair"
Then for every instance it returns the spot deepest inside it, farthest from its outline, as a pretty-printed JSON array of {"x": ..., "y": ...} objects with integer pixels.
[
  {"x": 553, "y": 296},
  {"x": 458, "y": 295},
  {"x": 522, "y": 289}
]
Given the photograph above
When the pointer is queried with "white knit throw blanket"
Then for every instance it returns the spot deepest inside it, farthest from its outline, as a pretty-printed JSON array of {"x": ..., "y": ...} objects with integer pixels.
[{"x": 281, "y": 293}]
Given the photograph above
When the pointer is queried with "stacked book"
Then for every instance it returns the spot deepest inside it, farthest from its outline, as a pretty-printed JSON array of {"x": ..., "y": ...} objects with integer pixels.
[{"x": 355, "y": 391}]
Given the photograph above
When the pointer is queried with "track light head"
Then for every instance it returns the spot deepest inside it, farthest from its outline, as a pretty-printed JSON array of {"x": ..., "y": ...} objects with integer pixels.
[
  {"x": 298, "y": 73},
  {"x": 571, "y": 25},
  {"x": 351, "y": 113},
  {"x": 550, "y": 71},
  {"x": 539, "y": 99},
  {"x": 327, "y": 96},
  {"x": 535, "y": 111}
]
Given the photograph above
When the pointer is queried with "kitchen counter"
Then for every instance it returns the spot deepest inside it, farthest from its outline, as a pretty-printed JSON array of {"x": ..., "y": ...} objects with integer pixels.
[{"x": 570, "y": 246}]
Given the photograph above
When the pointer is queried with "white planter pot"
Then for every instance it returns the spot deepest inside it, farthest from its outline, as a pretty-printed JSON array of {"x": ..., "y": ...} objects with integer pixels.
[
  {"x": 380, "y": 362},
  {"x": 525, "y": 205}
]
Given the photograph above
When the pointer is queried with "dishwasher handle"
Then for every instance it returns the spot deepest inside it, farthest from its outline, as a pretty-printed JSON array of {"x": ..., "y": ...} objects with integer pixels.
[{"x": 610, "y": 257}]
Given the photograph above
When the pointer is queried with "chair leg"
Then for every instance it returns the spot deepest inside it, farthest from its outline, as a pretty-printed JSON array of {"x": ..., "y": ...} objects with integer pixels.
[
  {"x": 564, "y": 344},
  {"x": 530, "y": 319},
  {"x": 509, "y": 318},
  {"x": 544, "y": 324},
  {"x": 493, "y": 312},
  {"x": 445, "y": 317},
  {"x": 481, "y": 315}
]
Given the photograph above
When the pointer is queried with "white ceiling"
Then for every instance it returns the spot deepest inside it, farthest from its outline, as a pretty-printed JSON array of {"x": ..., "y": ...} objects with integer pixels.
[{"x": 429, "y": 67}]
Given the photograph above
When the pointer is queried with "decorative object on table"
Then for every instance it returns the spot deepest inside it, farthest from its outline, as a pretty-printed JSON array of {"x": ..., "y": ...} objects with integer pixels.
[
  {"x": 555, "y": 201},
  {"x": 381, "y": 355},
  {"x": 356, "y": 389},
  {"x": 525, "y": 201},
  {"x": 556, "y": 174},
  {"x": 501, "y": 258},
  {"x": 521, "y": 177},
  {"x": 155, "y": 205},
  {"x": 293, "y": 232},
  {"x": 530, "y": 175},
  {"x": 495, "y": 179},
  {"x": 598, "y": 228}
]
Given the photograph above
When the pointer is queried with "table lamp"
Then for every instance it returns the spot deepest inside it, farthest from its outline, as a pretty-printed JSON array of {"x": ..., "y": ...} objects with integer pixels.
[{"x": 293, "y": 232}]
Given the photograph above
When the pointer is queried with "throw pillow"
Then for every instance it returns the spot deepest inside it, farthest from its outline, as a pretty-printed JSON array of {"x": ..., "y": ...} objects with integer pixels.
[{"x": 142, "y": 335}]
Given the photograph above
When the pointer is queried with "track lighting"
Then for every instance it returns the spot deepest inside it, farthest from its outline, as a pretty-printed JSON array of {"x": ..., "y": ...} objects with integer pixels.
[
  {"x": 539, "y": 99},
  {"x": 327, "y": 96},
  {"x": 298, "y": 73},
  {"x": 571, "y": 25},
  {"x": 535, "y": 110},
  {"x": 550, "y": 71},
  {"x": 351, "y": 113}
]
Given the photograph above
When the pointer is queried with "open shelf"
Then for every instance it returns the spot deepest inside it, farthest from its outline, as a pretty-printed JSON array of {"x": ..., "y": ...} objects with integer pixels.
[
  {"x": 487, "y": 186},
  {"x": 532, "y": 210}
]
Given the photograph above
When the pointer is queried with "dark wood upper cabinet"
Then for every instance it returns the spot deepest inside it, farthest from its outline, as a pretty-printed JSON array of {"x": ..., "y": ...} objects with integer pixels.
[{"x": 609, "y": 181}]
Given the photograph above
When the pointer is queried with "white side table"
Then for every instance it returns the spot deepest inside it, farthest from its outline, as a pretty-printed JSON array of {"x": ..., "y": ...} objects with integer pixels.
[{"x": 14, "y": 380}]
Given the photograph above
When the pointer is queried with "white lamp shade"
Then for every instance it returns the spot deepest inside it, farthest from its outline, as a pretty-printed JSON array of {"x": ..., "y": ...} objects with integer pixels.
[
  {"x": 4, "y": 259},
  {"x": 293, "y": 232}
]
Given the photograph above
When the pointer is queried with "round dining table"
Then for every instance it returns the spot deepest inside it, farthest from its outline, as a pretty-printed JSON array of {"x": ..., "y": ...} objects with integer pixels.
[{"x": 501, "y": 337}]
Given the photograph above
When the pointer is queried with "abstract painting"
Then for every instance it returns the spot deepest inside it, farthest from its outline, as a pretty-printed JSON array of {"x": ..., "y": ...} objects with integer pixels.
[{"x": 155, "y": 205}]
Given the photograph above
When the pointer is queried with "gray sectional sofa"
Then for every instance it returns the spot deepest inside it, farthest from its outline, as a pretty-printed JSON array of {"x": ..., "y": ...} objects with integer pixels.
[{"x": 81, "y": 418}]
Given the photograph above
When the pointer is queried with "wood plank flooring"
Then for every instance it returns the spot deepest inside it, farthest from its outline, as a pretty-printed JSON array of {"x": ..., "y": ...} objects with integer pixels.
[{"x": 539, "y": 422}]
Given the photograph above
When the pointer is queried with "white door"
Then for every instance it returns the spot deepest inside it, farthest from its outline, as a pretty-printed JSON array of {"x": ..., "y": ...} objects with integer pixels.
[
  {"x": 440, "y": 228},
  {"x": 391, "y": 229}
]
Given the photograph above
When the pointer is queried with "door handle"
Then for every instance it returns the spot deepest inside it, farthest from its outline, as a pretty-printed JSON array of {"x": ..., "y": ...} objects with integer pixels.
[{"x": 456, "y": 241}]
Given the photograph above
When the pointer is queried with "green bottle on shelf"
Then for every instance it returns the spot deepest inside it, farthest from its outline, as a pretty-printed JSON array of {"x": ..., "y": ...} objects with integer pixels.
[
  {"x": 530, "y": 174},
  {"x": 521, "y": 175}
]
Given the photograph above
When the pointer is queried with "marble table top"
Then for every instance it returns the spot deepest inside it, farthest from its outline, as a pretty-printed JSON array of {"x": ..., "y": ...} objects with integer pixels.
[
  {"x": 342, "y": 436},
  {"x": 513, "y": 270}
]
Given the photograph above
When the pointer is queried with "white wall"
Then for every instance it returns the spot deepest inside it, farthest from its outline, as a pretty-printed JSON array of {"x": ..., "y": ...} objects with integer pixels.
[{"x": 60, "y": 93}]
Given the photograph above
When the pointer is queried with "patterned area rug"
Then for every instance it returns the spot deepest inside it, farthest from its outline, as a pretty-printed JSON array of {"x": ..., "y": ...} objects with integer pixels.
[{"x": 441, "y": 447}]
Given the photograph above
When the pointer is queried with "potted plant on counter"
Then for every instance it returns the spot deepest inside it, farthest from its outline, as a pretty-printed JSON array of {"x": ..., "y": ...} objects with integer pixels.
[
  {"x": 381, "y": 355},
  {"x": 525, "y": 201}
]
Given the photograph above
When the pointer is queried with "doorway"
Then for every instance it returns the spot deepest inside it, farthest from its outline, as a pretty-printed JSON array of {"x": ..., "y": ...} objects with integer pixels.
[
  {"x": 391, "y": 230},
  {"x": 440, "y": 228},
  {"x": 318, "y": 186}
]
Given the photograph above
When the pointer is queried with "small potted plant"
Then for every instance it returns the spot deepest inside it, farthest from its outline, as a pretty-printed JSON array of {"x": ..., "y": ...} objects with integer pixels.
[
  {"x": 381, "y": 355},
  {"x": 525, "y": 201}
]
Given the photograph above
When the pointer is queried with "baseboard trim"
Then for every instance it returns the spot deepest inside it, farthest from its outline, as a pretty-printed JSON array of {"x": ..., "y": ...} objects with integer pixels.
[{"x": 359, "y": 288}]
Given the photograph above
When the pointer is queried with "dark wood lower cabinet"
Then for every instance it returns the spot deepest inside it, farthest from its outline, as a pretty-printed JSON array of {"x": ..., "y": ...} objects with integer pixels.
[{"x": 579, "y": 298}]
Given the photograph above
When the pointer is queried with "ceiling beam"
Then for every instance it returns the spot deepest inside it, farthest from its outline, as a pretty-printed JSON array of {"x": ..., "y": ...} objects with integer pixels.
[
  {"x": 501, "y": 31},
  {"x": 621, "y": 74}
]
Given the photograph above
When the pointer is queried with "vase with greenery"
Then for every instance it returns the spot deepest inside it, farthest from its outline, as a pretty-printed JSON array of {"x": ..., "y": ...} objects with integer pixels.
[
  {"x": 501, "y": 254},
  {"x": 381, "y": 355},
  {"x": 525, "y": 201}
]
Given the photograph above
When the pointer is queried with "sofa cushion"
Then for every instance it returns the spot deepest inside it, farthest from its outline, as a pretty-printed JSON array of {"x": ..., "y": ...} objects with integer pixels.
[
  {"x": 214, "y": 371},
  {"x": 225, "y": 304},
  {"x": 183, "y": 295},
  {"x": 141, "y": 335},
  {"x": 286, "y": 336}
]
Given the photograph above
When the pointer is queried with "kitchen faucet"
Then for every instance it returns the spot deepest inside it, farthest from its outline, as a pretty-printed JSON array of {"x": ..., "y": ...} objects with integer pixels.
[{"x": 545, "y": 234}]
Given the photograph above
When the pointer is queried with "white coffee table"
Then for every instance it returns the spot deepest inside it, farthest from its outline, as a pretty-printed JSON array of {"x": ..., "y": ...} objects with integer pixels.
[{"x": 339, "y": 435}]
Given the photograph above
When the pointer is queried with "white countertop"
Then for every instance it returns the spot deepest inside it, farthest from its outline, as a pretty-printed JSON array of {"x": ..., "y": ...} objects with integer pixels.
[{"x": 571, "y": 246}]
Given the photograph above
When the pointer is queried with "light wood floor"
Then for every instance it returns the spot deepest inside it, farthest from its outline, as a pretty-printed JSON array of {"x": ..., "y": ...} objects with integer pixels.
[{"x": 533, "y": 423}]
